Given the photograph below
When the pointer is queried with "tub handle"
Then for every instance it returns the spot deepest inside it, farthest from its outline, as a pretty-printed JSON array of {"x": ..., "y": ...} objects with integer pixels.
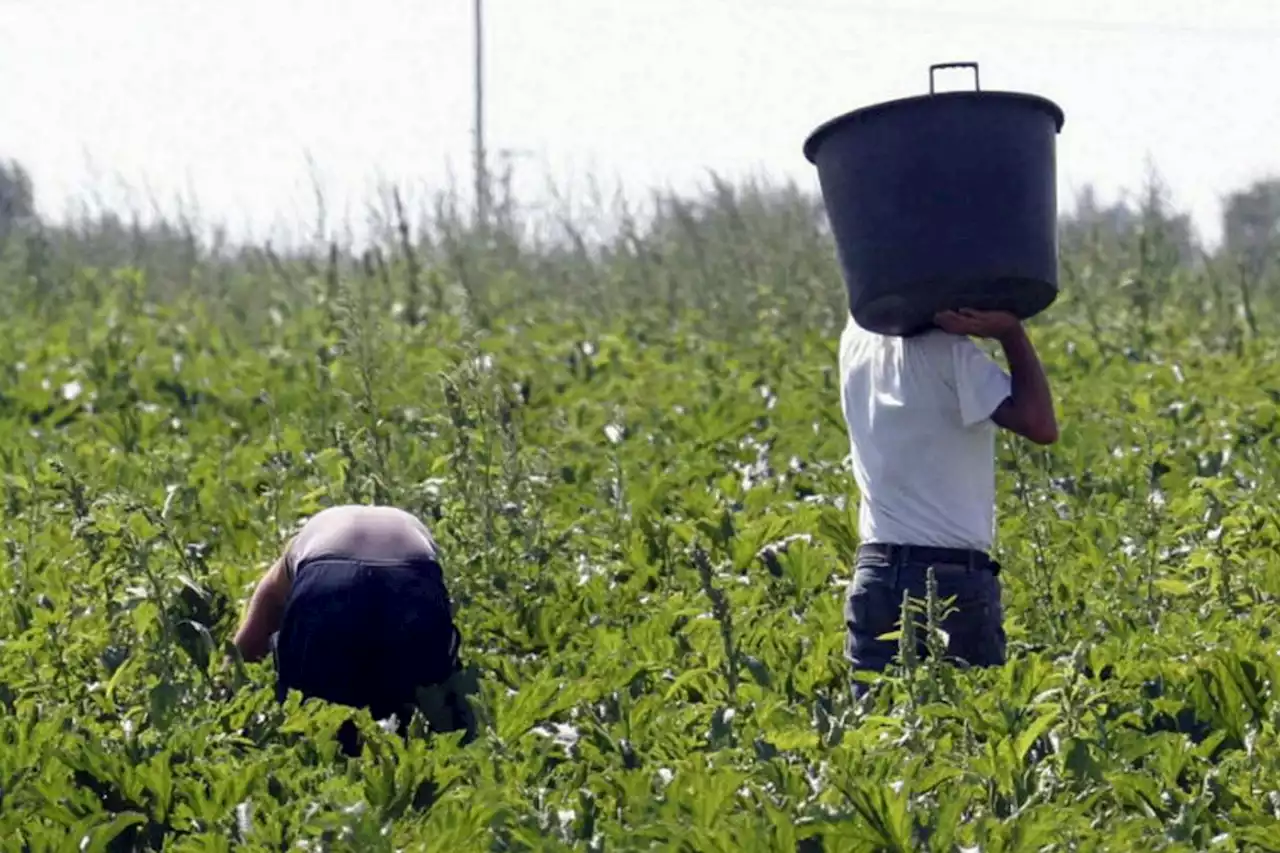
[{"x": 973, "y": 65}]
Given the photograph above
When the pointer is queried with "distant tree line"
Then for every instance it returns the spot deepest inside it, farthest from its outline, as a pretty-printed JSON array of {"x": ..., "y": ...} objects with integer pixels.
[
  {"x": 1250, "y": 225},
  {"x": 1148, "y": 226}
]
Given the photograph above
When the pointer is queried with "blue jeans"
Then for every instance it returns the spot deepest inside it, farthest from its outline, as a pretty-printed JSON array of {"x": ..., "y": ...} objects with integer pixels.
[{"x": 873, "y": 605}]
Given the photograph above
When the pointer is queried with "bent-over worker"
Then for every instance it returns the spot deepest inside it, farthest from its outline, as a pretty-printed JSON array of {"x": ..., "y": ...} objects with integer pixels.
[
  {"x": 360, "y": 611},
  {"x": 922, "y": 413}
]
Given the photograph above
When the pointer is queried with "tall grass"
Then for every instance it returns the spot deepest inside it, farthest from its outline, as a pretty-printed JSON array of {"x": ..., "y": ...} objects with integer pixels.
[{"x": 724, "y": 262}]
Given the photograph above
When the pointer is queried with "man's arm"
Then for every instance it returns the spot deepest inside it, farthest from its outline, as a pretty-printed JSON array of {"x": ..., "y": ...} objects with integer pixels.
[
  {"x": 265, "y": 611},
  {"x": 1028, "y": 410}
]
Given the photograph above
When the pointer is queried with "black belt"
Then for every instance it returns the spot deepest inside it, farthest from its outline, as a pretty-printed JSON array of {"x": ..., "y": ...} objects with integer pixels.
[{"x": 929, "y": 554}]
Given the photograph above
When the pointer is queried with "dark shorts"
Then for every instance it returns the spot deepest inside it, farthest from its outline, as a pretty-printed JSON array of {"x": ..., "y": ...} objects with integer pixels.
[
  {"x": 873, "y": 606},
  {"x": 366, "y": 635}
]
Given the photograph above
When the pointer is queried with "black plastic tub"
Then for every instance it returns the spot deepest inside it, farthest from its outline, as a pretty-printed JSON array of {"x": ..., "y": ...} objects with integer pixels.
[{"x": 940, "y": 201}]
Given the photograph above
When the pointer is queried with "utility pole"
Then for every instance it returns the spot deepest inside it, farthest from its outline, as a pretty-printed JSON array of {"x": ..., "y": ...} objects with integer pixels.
[{"x": 482, "y": 179}]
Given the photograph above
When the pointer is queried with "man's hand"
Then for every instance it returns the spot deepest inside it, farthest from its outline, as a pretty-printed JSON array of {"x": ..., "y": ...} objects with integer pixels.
[
  {"x": 980, "y": 324},
  {"x": 1028, "y": 410}
]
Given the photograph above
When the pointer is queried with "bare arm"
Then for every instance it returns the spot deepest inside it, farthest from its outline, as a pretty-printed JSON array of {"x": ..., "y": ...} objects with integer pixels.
[
  {"x": 265, "y": 611},
  {"x": 1029, "y": 409}
]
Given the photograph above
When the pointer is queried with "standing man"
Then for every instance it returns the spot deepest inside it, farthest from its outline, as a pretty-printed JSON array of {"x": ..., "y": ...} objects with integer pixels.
[
  {"x": 362, "y": 612},
  {"x": 922, "y": 414}
]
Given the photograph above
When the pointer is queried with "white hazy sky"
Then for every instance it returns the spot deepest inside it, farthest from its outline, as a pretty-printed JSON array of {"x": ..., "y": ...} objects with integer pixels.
[{"x": 223, "y": 102}]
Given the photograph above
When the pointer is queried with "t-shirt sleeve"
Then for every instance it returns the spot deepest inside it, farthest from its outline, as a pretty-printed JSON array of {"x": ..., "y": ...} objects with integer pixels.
[{"x": 981, "y": 384}]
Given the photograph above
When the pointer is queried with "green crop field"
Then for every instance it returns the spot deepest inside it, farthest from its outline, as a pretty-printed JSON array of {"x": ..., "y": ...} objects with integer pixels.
[{"x": 631, "y": 450}]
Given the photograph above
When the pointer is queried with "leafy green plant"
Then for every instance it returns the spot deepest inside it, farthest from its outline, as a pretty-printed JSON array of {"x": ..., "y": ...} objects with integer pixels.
[{"x": 632, "y": 454}]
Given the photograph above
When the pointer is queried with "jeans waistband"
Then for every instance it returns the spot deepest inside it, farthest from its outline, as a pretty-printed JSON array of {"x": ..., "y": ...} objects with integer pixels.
[{"x": 903, "y": 554}]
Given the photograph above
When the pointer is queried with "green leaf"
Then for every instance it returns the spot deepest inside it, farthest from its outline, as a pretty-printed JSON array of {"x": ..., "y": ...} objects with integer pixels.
[
  {"x": 101, "y": 838},
  {"x": 163, "y": 698},
  {"x": 1174, "y": 587},
  {"x": 794, "y": 738},
  {"x": 141, "y": 527},
  {"x": 1032, "y": 733}
]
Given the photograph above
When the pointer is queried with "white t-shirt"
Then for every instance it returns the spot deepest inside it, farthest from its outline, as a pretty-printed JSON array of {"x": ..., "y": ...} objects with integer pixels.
[{"x": 923, "y": 443}]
